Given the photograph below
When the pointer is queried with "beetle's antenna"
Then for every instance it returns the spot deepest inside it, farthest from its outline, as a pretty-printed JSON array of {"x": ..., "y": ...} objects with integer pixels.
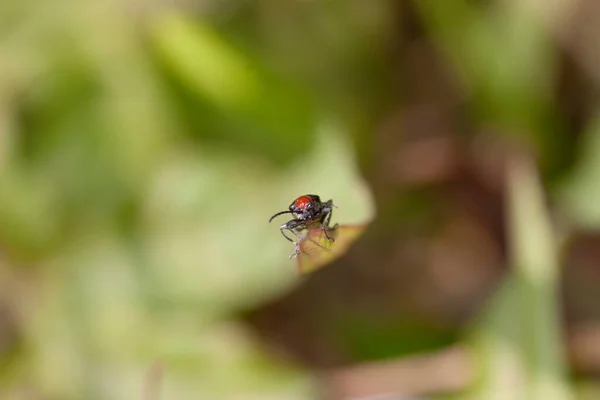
[{"x": 279, "y": 213}]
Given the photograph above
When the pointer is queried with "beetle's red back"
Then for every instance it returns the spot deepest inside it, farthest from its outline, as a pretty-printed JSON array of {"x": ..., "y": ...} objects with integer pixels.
[{"x": 302, "y": 202}]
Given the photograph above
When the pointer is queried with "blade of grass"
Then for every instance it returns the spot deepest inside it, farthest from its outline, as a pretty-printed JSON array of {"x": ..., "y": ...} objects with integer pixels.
[
  {"x": 517, "y": 346},
  {"x": 534, "y": 255},
  {"x": 497, "y": 360}
]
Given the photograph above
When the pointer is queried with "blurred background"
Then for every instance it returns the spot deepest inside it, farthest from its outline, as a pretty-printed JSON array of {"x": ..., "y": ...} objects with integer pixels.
[{"x": 145, "y": 144}]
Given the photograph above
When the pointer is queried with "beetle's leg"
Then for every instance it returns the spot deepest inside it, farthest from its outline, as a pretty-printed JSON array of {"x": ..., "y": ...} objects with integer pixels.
[
  {"x": 329, "y": 204},
  {"x": 296, "y": 224},
  {"x": 326, "y": 220},
  {"x": 295, "y": 253},
  {"x": 295, "y": 233},
  {"x": 327, "y": 211},
  {"x": 291, "y": 226},
  {"x": 282, "y": 228}
]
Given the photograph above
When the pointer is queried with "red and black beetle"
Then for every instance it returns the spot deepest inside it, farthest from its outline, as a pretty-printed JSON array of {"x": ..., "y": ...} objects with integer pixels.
[{"x": 309, "y": 212}]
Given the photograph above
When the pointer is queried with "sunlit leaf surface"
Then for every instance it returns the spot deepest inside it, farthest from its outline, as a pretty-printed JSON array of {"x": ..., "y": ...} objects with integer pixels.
[{"x": 316, "y": 251}]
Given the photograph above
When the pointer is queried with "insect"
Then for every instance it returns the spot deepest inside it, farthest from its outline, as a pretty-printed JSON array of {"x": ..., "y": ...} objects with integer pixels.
[{"x": 309, "y": 212}]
